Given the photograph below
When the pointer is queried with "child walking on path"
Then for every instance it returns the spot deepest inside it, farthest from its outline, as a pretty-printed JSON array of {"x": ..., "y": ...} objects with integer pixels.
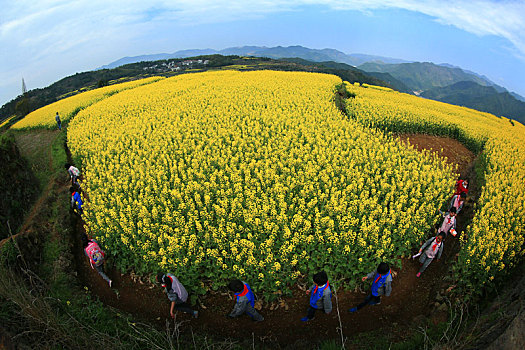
[
  {"x": 59, "y": 122},
  {"x": 73, "y": 172},
  {"x": 96, "y": 257},
  {"x": 76, "y": 200},
  {"x": 457, "y": 202},
  {"x": 245, "y": 301},
  {"x": 461, "y": 187},
  {"x": 449, "y": 222},
  {"x": 320, "y": 296},
  {"x": 381, "y": 285},
  {"x": 433, "y": 248},
  {"x": 177, "y": 294}
]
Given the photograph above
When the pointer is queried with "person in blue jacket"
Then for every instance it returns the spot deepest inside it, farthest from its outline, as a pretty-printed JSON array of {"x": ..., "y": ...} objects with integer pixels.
[
  {"x": 381, "y": 285},
  {"x": 320, "y": 296},
  {"x": 59, "y": 122},
  {"x": 76, "y": 200},
  {"x": 245, "y": 301}
]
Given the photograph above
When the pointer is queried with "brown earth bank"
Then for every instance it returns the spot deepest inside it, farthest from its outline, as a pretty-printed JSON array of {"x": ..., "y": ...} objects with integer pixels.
[{"x": 412, "y": 303}]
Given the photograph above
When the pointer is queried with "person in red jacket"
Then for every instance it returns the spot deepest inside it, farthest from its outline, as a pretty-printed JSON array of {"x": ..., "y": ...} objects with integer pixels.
[{"x": 461, "y": 187}]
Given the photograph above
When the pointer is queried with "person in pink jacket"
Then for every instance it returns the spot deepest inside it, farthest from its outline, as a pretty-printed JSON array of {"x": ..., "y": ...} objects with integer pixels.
[
  {"x": 96, "y": 257},
  {"x": 449, "y": 222}
]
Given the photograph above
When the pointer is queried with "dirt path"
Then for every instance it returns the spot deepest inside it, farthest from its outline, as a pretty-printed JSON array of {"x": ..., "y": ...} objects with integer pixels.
[{"x": 412, "y": 299}]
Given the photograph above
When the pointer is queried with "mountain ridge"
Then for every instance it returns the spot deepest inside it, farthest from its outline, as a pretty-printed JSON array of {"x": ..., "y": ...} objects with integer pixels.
[
  {"x": 482, "y": 98},
  {"x": 277, "y": 52}
]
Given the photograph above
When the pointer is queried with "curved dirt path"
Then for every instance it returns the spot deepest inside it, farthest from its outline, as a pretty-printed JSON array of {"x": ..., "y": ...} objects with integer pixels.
[{"x": 412, "y": 300}]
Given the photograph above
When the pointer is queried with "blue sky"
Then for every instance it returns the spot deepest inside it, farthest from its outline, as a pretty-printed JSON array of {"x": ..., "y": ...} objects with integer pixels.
[{"x": 46, "y": 40}]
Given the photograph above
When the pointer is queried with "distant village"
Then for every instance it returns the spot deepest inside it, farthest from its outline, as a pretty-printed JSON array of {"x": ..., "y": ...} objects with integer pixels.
[{"x": 175, "y": 66}]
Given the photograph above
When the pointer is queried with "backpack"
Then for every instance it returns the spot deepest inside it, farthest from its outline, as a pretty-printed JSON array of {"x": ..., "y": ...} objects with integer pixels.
[
  {"x": 95, "y": 254},
  {"x": 97, "y": 257}
]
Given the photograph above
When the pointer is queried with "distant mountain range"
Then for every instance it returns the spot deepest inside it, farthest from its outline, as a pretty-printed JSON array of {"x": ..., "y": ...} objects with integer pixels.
[
  {"x": 339, "y": 69},
  {"x": 420, "y": 76},
  {"x": 36, "y": 98},
  {"x": 482, "y": 98},
  {"x": 262, "y": 51},
  {"x": 454, "y": 85},
  {"x": 442, "y": 82}
]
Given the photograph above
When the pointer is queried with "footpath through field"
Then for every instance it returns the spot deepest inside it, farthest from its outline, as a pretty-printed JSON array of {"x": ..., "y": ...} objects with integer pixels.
[{"x": 413, "y": 300}]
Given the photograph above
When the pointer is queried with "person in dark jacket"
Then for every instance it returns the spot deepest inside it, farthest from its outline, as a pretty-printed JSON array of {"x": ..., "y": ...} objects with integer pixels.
[
  {"x": 320, "y": 296},
  {"x": 245, "y": 301},
  {"x": 381, "y": 285},
  {"x": 59, "y": 122},
  {"x": 176, "y": 293}
]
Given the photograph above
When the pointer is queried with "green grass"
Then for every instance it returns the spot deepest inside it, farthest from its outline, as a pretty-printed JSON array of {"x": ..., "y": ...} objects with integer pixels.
[{"x": 35, "y": 148}]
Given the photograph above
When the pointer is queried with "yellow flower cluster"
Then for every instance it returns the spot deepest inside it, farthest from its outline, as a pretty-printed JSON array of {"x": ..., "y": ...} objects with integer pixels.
[
  {"x": 45, "y": 117},
  {"x": 494, "y": 240},
  {"x": 254, "y": 174}
]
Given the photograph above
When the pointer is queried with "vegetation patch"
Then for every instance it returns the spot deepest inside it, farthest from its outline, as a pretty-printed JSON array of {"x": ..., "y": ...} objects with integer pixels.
[
  {"x": 245, "y": 177},
  {"x": 18, "y": 186}
]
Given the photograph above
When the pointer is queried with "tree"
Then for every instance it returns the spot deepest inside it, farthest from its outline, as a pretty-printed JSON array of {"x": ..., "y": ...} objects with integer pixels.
[{"x": 22, "y": 106}]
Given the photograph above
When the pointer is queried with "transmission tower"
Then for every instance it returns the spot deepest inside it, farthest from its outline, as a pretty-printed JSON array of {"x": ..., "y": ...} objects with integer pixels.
[{"x": 24, "y": 88}]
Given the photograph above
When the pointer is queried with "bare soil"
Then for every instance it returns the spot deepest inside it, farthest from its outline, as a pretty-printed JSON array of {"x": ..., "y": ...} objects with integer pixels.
[
  {"x": 445, "y": 147},
  {"x": 412, "y": 301}
]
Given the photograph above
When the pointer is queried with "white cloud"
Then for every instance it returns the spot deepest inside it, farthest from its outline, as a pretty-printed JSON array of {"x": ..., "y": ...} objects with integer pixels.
[
  {"x": 482, "y": 17},
  {"x": 34, "y": 33}
]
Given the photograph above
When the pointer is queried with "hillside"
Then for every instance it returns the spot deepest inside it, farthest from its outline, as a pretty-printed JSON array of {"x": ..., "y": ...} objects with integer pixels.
[
  {"x": 267, "y": 172},
  {"x": 84, "y": 81},
  {"x": 453, "y": 85},
  {"x": 352, "y": 74},
  {"x": 421, "y": 76},
  {"x": 16, "y": 198},
  {"x": 483, "y": 98}
]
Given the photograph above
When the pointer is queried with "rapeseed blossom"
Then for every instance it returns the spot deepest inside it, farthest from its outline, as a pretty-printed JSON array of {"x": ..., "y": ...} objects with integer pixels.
[
  {"x": 220, "y": 174},
  {"x": 495, "y": 238}
]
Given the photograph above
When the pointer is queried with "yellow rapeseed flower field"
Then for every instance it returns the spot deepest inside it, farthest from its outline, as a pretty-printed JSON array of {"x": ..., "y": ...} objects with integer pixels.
[
  {"x": 254, "y": 175},
  {"x": 494, "y": 241},
  {"x": 45, "y": 117}
]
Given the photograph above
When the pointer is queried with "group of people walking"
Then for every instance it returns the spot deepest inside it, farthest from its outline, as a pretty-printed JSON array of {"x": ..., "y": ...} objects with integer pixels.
[
  {"x": 433, "y": 248},
  {"x": 320, "y": 292}
]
